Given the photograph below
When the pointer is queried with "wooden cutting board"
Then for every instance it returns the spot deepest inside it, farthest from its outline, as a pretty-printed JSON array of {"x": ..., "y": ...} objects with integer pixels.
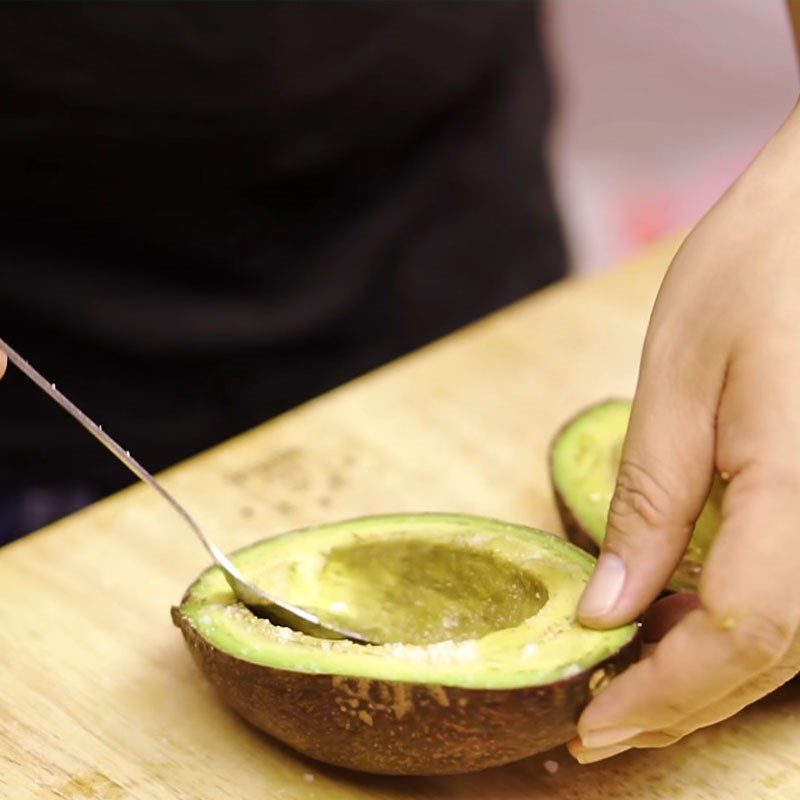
[{"x": 98, "y": 697}]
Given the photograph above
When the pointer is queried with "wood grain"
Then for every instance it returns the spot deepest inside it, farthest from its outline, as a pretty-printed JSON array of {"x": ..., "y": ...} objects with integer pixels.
[{"x": 98, "y": 697}]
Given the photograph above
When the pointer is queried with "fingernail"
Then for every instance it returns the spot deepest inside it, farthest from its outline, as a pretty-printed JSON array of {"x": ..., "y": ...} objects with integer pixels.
[
  {"x": 604, "y": 588},
  {"x": 609, "y": 736},
  {"x": 590, "y": 755}
]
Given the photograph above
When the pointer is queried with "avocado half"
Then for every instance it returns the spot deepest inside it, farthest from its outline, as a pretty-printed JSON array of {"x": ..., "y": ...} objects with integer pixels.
[
  {"x": 584, "y": 461},
  {"x": 487, "y": 663}
]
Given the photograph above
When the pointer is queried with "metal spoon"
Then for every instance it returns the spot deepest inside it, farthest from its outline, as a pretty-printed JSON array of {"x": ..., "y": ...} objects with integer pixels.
[{"x": 257, "y": 600}]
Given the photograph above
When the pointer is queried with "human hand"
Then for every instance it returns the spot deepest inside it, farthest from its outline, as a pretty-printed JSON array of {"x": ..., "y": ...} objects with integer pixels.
[
  {"x": 3, "y": 362},
  {"x": 719, "y": 388}
]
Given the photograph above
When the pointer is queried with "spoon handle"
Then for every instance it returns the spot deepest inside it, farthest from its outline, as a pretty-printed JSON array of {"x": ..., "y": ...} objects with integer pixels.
[
  {"x": 255, "y": 598},
  {"x": 123, "y": 455}
]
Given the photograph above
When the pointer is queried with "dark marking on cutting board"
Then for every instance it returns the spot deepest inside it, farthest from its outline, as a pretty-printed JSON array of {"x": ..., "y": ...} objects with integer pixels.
[
  {"x": 291, "y": 478},
  {"x": 91, "y": 784}
]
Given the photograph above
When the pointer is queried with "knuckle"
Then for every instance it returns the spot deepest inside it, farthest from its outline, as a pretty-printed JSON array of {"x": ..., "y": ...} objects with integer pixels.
[
  {"x": 676, "y": 704},
  {"x": 666, "y": 737},
  {"x": 774, "y": 677},
  {"x": 639, "y": 499},
  {"x": 757, "y": 477},
  {"x": 760, "y": 639},
  {"x": 678, "y": 709}
]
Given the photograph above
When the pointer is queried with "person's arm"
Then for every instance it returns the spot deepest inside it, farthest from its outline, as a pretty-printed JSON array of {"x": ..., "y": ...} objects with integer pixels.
[{"x": 719, "y": 389}]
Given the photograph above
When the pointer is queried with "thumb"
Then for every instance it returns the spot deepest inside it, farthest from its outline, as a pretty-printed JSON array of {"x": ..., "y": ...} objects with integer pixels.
[{"x": 664, "y": 479}]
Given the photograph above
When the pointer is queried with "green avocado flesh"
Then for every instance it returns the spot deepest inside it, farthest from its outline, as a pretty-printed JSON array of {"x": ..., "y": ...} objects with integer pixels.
[
  {"x": 584, "y": 463},
  {"x": 466, "y": 602}
]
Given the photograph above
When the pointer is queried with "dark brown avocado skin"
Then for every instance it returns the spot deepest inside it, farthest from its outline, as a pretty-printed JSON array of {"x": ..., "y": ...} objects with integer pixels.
[
  {"x": 401, "y": 728},
  {"x": 576, "y": 533}
]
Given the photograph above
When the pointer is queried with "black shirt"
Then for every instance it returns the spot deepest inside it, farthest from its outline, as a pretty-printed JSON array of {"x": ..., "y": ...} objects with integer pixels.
[{"x": 210, "y": 212}]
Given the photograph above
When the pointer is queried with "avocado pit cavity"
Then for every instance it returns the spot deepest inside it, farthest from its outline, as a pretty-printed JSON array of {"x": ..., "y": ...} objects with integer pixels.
[{"x": 420, "y": 592}]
